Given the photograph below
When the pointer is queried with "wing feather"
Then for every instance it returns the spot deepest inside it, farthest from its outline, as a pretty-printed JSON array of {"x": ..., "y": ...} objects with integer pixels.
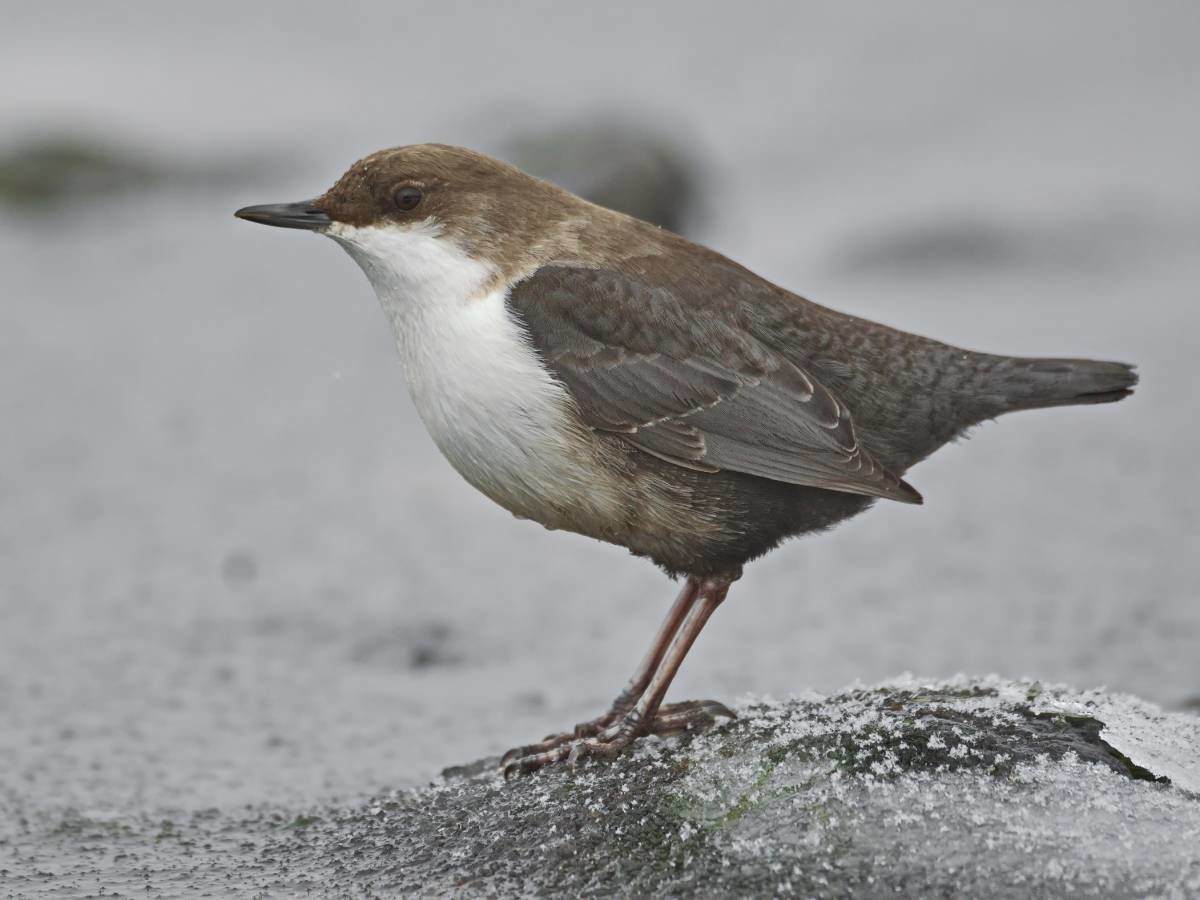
[{"x": 714, "y": 401}]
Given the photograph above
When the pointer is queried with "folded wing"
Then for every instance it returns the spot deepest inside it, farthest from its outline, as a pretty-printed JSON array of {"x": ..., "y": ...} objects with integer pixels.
[{"x": 696, "y": 392}]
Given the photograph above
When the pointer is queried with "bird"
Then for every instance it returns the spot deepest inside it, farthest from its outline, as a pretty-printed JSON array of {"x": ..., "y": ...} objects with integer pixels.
[{"x": 604, "y": 376}]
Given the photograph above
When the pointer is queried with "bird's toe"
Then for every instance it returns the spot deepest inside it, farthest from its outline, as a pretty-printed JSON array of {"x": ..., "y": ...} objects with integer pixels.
[{"x": 607, "y": 736}]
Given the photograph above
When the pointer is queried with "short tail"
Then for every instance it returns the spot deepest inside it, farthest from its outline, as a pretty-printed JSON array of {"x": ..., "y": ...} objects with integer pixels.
[{"x": 1018, "y": 383}]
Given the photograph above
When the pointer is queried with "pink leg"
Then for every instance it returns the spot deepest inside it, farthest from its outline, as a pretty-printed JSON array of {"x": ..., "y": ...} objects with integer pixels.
[
  {"x": 658, "y": 649},
  {"x": 633, "y": 690},
  {"x": 643, "y": 717}
]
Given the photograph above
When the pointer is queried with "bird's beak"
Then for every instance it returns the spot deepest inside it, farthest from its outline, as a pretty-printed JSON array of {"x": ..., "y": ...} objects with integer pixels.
[{"x": 287, "y": 215}]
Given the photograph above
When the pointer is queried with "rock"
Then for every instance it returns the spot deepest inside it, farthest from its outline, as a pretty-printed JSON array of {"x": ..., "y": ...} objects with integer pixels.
[
  {"x": 615, "y": 163},
  {"x": 992, "y": 240},
  {"x": 60, "y": 169},
  {"x": 978, "y": 788},
  {"x": 239, "y": 568},
  {"x": 413, "y": 645},
  {"x": 46, "y": 173}
]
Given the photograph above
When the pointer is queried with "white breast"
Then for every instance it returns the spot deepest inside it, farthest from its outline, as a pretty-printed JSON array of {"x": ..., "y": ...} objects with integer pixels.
[{"x": 492, "y": 408}]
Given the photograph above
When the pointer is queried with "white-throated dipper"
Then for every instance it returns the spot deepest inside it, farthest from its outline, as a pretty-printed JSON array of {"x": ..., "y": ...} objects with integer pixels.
[{"x": 594, "y": 373}]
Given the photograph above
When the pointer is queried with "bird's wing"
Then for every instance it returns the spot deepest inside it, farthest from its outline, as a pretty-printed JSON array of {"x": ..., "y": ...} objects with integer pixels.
[{"x": 688, "y": 386}]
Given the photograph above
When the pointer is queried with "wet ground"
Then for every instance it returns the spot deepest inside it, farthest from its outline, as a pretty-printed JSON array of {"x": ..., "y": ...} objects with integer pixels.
[{"x": 233, "y": 568}]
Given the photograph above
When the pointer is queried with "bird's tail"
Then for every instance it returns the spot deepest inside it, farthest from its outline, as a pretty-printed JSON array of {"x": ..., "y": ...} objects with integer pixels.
[{"x": 1017, "y": 383}]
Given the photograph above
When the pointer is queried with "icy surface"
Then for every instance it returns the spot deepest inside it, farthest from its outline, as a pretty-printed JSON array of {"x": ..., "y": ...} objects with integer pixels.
[{"x": 967, "y": 788}]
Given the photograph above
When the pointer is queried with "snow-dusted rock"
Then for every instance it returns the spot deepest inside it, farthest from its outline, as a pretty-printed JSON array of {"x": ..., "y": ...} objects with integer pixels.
[
  {"x": 972, "y": 788},
  {"x": 962, "y": 788}
]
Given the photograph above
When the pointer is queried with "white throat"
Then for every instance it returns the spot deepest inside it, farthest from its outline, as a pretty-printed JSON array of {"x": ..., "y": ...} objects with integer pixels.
[
  {"x": 488, "y": 402},
  {"x": 412, "y": 266}
]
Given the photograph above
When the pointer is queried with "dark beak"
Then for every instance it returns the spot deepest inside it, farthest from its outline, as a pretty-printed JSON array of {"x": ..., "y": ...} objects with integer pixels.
[{"x": 287, "y": 215}]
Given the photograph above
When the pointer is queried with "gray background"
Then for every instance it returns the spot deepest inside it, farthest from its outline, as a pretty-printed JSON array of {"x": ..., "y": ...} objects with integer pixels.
[{"x": 233, "y": 567}]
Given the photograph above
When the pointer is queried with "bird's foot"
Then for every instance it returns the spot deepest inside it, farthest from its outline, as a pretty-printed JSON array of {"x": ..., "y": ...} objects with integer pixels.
[{"x": 607, "y": 735}]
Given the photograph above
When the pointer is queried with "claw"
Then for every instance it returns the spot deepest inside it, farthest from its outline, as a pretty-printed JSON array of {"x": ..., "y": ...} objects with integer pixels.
[
  {"x": 610, "y": 735},
  {"x": 527, "y": 765},
  {"x": 514, "y": 753},
  {"x": 575, "y": 755},
  {"x": 551, "y": 741},
  {"x": 711, "y": 707}
]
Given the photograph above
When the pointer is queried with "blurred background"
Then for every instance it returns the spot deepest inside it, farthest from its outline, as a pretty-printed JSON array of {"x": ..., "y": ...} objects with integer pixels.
[{"x": 233, "y": 567}]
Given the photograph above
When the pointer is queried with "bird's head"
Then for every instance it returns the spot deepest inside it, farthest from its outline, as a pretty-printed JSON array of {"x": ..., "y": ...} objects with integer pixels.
[{"x": 429, "y": 212}]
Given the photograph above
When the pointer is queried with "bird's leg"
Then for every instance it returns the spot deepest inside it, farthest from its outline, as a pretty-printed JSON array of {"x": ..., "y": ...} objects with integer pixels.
[
  {"x": 640, "y": 720},
  {"x": 633, "y": 690},
  {"x": 647, "y": 714},
  {"x": 637, "y": 685}
]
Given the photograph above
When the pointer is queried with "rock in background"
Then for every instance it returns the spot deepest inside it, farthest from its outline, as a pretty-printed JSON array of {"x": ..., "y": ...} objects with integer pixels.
[
  {"x": 616, "y": 163},
  {"x": 48, "y": 172},
  {"x": 964, "y": 788}
]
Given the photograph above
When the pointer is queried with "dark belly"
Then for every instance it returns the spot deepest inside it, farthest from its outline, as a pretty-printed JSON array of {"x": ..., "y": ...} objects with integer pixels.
[{"x": 753, "y": 515}]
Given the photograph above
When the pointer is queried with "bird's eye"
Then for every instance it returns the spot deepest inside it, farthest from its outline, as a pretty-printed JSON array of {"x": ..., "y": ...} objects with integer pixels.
[{"x": 407, "y": 198}]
